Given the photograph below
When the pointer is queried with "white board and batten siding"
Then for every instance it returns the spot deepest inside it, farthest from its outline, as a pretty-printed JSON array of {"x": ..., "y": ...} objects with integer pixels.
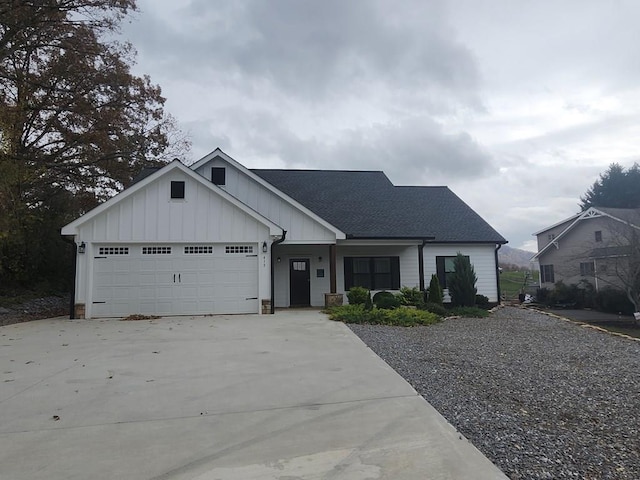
[
  {"x": 300, "y": 226},
  {"x": 482, "y": 258},
  {"x": 212, "y": 282}
]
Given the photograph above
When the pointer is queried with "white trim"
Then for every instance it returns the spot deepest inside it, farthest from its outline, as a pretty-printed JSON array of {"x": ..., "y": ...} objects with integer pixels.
[
  {"x": 340, "y": 235},
  {"x": 72, "y": 228},
  {"x": 557, "y": 224}
]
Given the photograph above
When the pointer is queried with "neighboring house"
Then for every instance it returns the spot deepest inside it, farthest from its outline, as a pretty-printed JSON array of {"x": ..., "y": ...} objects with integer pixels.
[
  {"x": 592, "y": 246},
  {"x": 219, "y": 238}
]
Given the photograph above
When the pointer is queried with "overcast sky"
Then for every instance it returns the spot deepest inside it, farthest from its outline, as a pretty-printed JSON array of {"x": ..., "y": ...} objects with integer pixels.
[{"x": 517, "y": 106}]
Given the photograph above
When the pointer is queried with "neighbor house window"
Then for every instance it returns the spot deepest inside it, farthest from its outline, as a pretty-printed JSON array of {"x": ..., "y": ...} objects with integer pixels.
[
  {"x": 444, "y": 268},
  {"x": 374, "y": 273},
  {"x": 599, "y": 236},
  {"x": 177, "y": 189},
  {"x": 587, "y": 269},
  {"x": 218, "y": 176},
  {"x": 546, "y": 274}
]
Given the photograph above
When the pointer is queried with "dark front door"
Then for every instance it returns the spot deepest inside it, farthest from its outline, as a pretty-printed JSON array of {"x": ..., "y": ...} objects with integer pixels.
[{"x": 299, "y": 282}]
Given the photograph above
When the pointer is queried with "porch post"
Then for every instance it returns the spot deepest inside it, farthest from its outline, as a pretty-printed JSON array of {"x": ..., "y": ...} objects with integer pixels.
[{"x": 332, "y": 268}]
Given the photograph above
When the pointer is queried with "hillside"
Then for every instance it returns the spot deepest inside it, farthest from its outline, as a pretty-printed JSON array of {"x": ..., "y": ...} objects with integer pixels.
[{"x": 514, "y": 256}]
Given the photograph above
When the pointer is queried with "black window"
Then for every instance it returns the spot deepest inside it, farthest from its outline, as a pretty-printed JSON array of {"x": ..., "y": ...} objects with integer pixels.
[
  {"x": 374, "y": 273},
  {"x": 546, "y": 274},
  {"x": 444, "y": 268},
  {"x": 587, "y": 269},
  {"x": 177, "y": 189},
  {"x": 599, "y": 236},
  {"x": 218, "y": 175}
]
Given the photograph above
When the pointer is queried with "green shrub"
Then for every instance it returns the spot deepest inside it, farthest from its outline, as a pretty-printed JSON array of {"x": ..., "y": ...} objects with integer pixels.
[
  {"x": 386, "y": 300},
  {"x": 411, "y": 297},
  {"x": 436, "y": 308},
  {"x": 351, "y": 313},
  {"x": 613, "y": 300},
  {"x": 462, "y": 282},
  {"x": 400, "y": 316},
  {"x": 368, "y": 304},
  {"x": 358, "y": 295},
  {"x": 408, "y": 317},
  {"x": 482, "y": 301},
  {"x": 435, "y": 291},
  {"x": 468, "y": 312}
]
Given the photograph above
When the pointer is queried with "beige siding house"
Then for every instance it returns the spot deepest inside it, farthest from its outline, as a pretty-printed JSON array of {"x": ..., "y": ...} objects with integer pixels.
[{"x": 591, "y": 246}]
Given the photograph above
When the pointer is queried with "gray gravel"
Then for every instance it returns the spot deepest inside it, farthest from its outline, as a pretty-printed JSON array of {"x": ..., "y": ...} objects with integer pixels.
[
  {"x": 34, "y": 309},
  {"x": 541, "y": 397}
]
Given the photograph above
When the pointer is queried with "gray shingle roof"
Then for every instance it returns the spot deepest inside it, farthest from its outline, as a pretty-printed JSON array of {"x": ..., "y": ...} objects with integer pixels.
[{"x": 365, "y": 204}]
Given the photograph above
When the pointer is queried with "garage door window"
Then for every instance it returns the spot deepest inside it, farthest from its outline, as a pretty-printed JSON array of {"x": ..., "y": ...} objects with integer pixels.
[
  {"x": 238, "y": 249},
  {"x": 113, "y": 251},
  {"x": 156, "y": 250},
  {"x": 198, "y": 250}
]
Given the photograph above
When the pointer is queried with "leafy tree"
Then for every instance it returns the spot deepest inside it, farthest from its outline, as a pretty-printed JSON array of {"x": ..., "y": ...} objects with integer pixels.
[
  {"x": 75, "y": 123},
  {"x": 616, "y": 188},
  {"x": 435, "y": 290},
  {"x": 462, "y": 282}
]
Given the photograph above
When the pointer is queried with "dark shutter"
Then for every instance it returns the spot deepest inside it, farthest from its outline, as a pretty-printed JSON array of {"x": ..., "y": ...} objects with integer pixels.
[
  {"x": 218, "y": 175},
  {"x": 348, "y": 273},
  {"x": 177, "y": 189},
  {"x": 440, "y": 272},
  {"x": 395, "y": 273}
]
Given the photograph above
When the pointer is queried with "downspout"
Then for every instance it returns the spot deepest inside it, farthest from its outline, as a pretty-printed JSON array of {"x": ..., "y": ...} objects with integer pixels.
[
  {"x": 421, "y": 265},
  {"x": 498, "y": 272},
  {"x": 72, "y": 299},
  {"x": 273, "y": 273}
]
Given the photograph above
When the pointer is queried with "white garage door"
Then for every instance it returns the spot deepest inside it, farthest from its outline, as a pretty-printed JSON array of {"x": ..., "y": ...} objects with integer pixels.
[{"x": 174, "y": 279}]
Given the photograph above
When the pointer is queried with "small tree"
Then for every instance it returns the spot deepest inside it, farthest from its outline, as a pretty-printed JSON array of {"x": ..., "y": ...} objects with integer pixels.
[
  {"x": 462, "y": 282},
  {"x": 435, "y": 291}
]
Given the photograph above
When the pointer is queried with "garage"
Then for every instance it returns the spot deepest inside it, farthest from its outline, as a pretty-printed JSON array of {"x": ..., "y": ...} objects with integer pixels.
[{"x": 174, "y": 279}]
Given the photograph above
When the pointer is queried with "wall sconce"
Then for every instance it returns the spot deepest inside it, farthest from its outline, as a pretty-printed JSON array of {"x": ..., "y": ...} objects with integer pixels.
[
  {"x": 82, "y": 247},
  {"x": 319, "y": 259},
  {"x": 278, "y": 260},
  {"x": 265, "y": 248}
]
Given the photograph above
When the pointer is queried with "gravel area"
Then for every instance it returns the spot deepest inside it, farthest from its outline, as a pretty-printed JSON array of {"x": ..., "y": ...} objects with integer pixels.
[
  {"x": 35, "y": 309},
  {"x": 541, "y": 397}
]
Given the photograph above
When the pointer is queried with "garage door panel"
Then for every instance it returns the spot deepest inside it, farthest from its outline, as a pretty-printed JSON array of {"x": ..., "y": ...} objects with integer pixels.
[{"x": 212, "y": 282}]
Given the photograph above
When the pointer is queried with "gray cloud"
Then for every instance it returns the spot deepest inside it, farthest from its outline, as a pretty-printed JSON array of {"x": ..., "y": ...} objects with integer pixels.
[{"x": 314, "y": 50}]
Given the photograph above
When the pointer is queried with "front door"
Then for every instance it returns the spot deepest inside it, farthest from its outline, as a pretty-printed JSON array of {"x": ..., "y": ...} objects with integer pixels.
[{"x": 299, "y": 282}]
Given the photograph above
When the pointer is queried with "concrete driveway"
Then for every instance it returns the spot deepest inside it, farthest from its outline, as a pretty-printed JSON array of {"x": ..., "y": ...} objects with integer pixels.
[{"x": 286, "y": 396}]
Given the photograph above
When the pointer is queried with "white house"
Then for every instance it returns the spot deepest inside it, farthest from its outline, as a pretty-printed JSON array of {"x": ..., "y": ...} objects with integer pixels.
[{"x": 217, "y": 238}]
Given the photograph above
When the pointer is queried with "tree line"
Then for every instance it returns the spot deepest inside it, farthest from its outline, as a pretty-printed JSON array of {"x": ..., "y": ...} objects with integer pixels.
[{"x": 75, "y": 126}]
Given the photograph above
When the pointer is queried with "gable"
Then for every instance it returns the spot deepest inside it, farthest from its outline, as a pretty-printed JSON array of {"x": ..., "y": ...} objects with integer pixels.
[
  {"x": 302, "y": 224},
  {"x": 147, "y": 212},
  {"x": 576, "y": 235}
]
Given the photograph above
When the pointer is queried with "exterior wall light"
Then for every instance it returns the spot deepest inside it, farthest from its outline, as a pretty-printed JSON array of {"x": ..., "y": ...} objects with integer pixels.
[
  {"x": 265, "y": 247},
  {"x": 278, "y": 260},
  {"x": 82, "y": 247}
]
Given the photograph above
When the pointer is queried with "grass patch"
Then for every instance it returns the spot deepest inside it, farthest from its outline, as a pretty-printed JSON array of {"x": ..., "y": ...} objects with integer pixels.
[
  {"x": 512, "y": 282},
  {"x": 402, "y": 316}
]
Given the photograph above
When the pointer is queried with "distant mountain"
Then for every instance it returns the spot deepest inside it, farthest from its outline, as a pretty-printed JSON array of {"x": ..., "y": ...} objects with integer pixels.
[{"x": 514, "y": 256}]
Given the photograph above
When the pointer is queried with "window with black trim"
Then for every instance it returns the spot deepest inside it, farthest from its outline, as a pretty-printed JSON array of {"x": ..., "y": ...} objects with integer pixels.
[
  {"x": 374, "y": 273},
  {"x": 587, "y": 269},
  {"x": 546, "y": 274},
  {"x": 218, "y": 175},
  {"x": 177, "y": 189},
  {"x": 598, "y": 235},
  {"x": 444, "y": 268}
]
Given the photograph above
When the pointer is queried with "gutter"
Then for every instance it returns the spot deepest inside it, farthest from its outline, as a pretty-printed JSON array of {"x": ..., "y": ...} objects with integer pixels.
[
  {"x": 273, "y": 273},
  {"x": 498, "y": 272}
]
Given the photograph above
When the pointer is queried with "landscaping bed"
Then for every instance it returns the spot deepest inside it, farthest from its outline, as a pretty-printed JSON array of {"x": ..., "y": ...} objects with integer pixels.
[
  {"x": 542, "y": 398},
  {"x": 16, "y": 310}
]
